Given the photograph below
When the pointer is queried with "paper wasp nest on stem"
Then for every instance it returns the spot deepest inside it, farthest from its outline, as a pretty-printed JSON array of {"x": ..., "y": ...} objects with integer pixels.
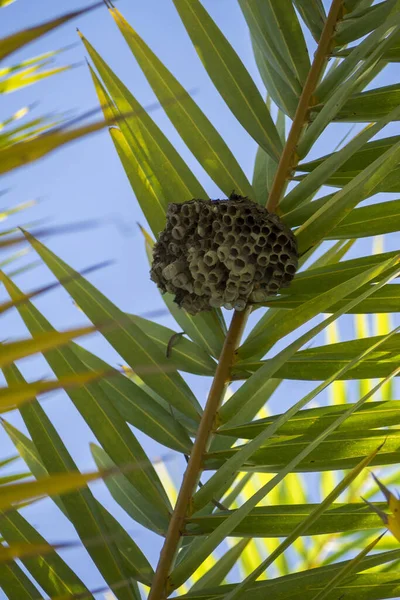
[{"x": 215, "y": 253}]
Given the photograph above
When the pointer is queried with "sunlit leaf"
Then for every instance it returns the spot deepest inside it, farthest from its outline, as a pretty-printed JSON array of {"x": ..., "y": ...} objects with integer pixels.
[
  {"x": 229, "y": 75},
  {"x": 128, "y": 339},
  {"x": 249, "y": 451},
  {"x": 21, "y": 38},
  {"x": 338, "y": 451},
  {"x": 100, "y": 414},
  {"x": 14, "y": 494},
  {"x": 191, "y": 123},
  {"x": 309, "y": 309},
  {"x": 11, "y": 351},
  {"x": 26, "y": 77},
  {"x": 305, "y": 524},
  {"x": 307, "y": 584},
  {"x": 279, "y": 521},
  {"x": 321, "y": 361},
  {"x": 184, "y": 354},
  {"x": 339, "y": 206},
  {"x": 16, "y": 584},
  {"x": 255, "y": 387},
  {"x": 49, "y": 570},
  {"x": 138, "y": 407},
  {"x": 266, "y": 431},
  {"x": 146, "y": 140},
  {"x": 344, "y": 573},
  {"x": 15, "y": 477},
  {"x": 356, "y": 155},
  {"x": 312, "y": 420},
  {"x": 127, "y": 497},
  {"x": 13, "y": 396},
  {"x": 238, "y": 458},
  {"x": 33, "y": 60},
  {"x": 89, "y": 517},
  {"x": 385, "y": 300},
  {"x": 27, "y": 151},
  {"x": 220, "y": 570},
  {"x": 392, "y": 520}
]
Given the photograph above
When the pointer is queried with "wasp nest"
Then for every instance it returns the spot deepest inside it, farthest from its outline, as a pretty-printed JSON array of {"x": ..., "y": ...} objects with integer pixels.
[{"x": 215, "y": 253}]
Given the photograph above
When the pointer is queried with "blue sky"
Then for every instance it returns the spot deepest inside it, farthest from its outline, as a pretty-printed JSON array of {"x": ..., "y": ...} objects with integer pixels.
[{"x": 86, "y": 181}]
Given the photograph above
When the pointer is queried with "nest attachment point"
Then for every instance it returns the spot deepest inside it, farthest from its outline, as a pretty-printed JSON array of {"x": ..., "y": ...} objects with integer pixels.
[{"x": 223, "y": 253}]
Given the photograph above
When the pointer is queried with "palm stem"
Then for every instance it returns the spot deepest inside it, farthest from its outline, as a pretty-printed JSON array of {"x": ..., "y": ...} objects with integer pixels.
[
  {"x": 160, "y": 587},
  {"x": 289, "y": 157}
]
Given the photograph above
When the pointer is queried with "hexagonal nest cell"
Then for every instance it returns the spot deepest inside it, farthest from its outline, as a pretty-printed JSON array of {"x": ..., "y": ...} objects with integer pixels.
[{"x": 223, "y": 253}]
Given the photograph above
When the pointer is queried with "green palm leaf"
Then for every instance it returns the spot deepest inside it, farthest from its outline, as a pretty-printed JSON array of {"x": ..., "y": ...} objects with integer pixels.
[
  {"x": 280, "y": 36},
  {"x": 16, "y": 584},
  {"x": 385, "y": 300},
  {"x": 196, "y": 130},
  {"x": 361, "y": 587},
  {"x": 18, "y": 40},
  {"x": 321, "y": 361},
  {"x": 313, "y": 420},
  {"x": 49, "y": 570},
  {"x": 148, "y": 412},
  {"x": 279, "y": 90},
  {"x": 220, "y": 570},
  {"x": 90, "y": 519},
  {"x": 101, "y": 416},
  {"x": 279, "y": 521},
  {"x": 257, "y": 457},
  {"x": 175, "y": 178},
  {"x": 128, "y": 339},
  {"x": 229, "y": 75},
  {"x": 307, "y": 310},
  {"x": 360, "y": 22},
  {"x": 313, "y": 14},
  {"x": 339, "y": 451},
  {"x": 375, "y": 219}
]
